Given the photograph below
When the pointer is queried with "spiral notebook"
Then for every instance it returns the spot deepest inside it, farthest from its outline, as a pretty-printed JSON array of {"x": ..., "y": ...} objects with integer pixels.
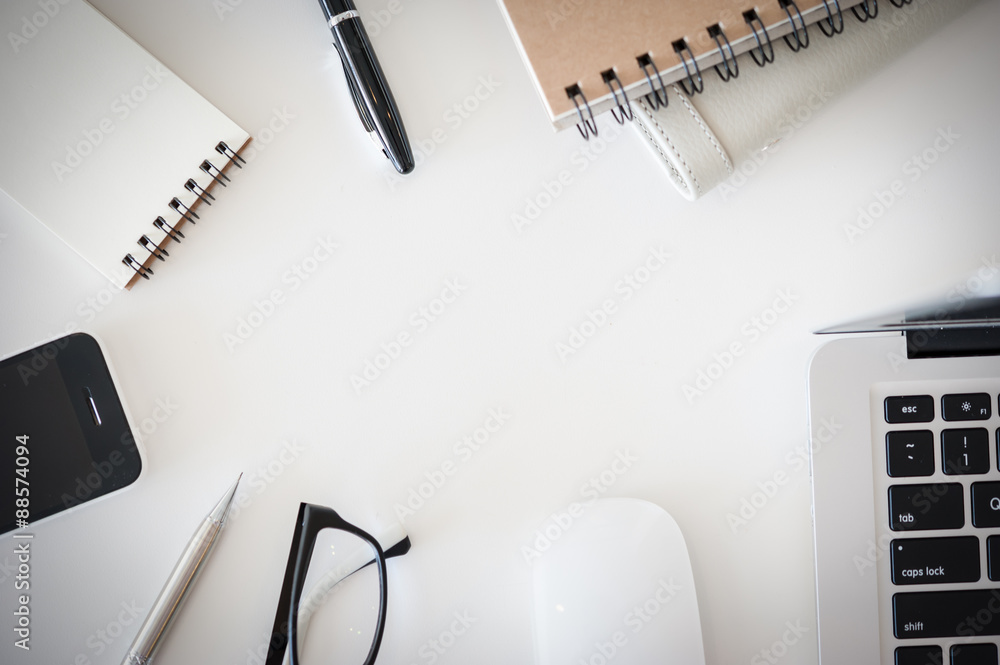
[
  {"x": 589, "y": 57},
  {"x": 102, "y": 143}
]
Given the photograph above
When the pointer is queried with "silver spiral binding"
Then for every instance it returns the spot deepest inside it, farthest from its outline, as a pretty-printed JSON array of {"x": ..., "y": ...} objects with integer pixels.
[
  {"x": 692, "y": 82},
  {"x": 185, "y": 212}
]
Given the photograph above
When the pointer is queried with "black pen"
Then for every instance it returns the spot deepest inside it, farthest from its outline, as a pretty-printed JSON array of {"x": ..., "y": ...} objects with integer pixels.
[{"x": 371, "y": 93}]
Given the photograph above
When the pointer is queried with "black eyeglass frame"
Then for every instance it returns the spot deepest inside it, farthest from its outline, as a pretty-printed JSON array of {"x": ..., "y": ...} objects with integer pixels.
[{"x": 310, "y": 521}]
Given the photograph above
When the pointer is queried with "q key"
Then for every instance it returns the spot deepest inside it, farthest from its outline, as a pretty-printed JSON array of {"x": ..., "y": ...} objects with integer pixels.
[{"x": 986, "y": 505}]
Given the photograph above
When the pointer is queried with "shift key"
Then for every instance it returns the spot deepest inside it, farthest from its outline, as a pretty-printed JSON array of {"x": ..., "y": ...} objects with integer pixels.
[
  {"x": 928, "y": 506},
  {"x": 967, "y": 613}
]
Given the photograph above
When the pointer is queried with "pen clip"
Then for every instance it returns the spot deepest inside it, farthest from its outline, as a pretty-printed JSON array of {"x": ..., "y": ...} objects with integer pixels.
[
  {"x": 358, "y": 102},
  {"x": 366, "y": 119},
  {"x": 369, "y": 90}
]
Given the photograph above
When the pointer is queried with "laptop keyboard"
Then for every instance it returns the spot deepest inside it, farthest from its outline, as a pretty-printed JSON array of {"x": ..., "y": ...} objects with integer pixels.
[{"x": 939, "y": 496}]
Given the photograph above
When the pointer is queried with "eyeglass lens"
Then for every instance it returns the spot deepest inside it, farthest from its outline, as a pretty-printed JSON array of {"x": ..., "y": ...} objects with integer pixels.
[{"x": 339, "y": 607}]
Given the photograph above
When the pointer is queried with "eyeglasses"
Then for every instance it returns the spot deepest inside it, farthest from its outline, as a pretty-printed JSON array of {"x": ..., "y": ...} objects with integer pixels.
[{"x": 330, "y": 554}]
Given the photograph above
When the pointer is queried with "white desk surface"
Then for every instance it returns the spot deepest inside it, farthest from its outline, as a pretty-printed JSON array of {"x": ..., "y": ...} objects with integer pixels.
[{"x": 280, "y": 405}]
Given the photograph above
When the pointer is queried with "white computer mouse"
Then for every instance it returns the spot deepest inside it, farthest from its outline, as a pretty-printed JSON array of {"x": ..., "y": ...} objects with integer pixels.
[{"x": 616, "y": 587}]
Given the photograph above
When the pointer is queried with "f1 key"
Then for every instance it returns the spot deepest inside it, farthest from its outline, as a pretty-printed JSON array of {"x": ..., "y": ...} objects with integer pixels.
[{"x": 969, "y": 406}]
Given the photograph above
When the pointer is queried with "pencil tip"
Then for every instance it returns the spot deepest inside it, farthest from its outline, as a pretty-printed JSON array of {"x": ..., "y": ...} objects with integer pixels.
[{"x": 221, "y": 511}]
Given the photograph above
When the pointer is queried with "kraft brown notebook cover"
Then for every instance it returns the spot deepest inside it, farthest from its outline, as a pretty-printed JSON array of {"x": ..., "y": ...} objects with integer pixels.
[{"x": 646, "y": 43}]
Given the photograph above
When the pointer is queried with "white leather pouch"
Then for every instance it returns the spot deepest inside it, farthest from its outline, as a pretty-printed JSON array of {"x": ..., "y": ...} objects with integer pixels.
[{"x": 701, "y": 140}]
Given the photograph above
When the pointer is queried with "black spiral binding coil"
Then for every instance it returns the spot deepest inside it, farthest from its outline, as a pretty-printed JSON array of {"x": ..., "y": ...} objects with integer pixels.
[
  {"x": 152, "y": 248},
  {"x": 828, "y": 26},
  {"x": 586, "y": 126},
  {"x": 162, "y": 224},
  {"x": 766, "y": 54},
  {"x": 624, "y": 108},
  {"x": 866, "y": 10},
  {"x": 732, "y": 67},
  {"x": 218, "y": 176},
  {"x": 801, "y": 39},
  {"x": 692, "y": 83},
  {"x": 230, "y": 154},
  {"x": 691, "y": 86},
  {"x": 657, "y": 95},
  {"x": 203, "y": 194},
  {"x": 186, "y": 213}
]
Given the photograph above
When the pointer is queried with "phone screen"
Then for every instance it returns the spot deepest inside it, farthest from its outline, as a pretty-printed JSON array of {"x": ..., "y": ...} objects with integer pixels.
[{"x": 63, "y": 433}]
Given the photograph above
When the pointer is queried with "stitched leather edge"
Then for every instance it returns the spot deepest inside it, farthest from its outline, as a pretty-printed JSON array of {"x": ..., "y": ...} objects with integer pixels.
[
  {"x": 672, "y": 170},
  {"x": 704, "y": 128},
  {"x": 670, "y": 144}
]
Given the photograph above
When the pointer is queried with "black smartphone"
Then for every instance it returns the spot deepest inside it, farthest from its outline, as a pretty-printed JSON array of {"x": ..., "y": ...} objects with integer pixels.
[{"x": 64, "y": 434}]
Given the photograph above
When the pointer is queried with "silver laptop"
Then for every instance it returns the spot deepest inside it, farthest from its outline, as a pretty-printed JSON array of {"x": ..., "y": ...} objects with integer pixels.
[{"x": 905, "y": 436}]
